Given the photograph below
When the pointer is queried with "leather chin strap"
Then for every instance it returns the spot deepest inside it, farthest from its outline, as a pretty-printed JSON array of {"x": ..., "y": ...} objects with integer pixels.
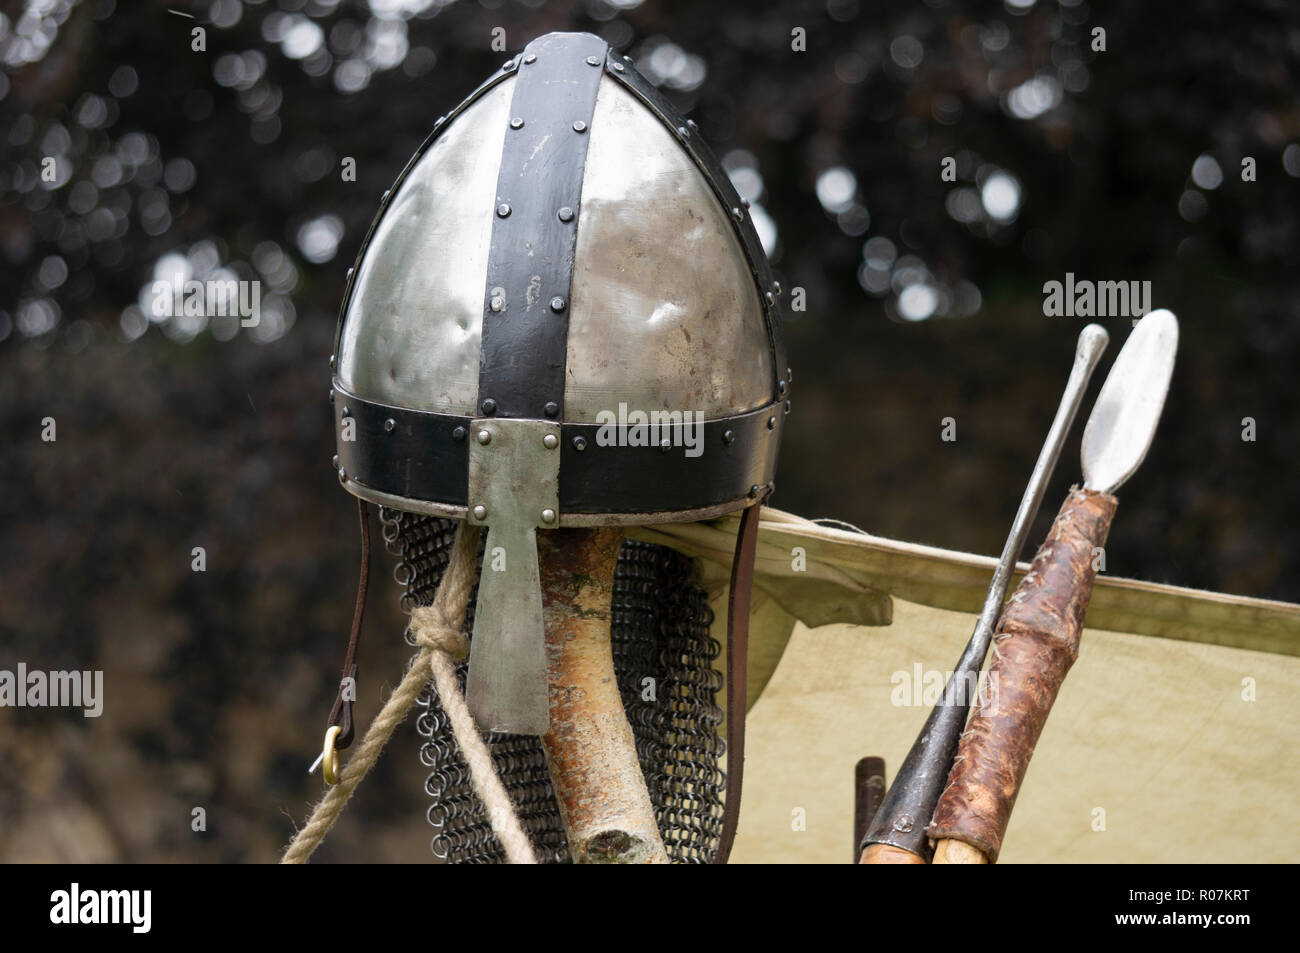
[
  {"x": 738, "y": 599},
  {"x": 343, "y": 707}
]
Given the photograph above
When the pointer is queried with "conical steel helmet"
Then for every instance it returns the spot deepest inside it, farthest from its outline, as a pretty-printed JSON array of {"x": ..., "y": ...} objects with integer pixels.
[{"x": 561, "y": 316}]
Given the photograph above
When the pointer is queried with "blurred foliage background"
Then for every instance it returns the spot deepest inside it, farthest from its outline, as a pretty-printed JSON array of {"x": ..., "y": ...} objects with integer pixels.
[{"x": 924, "y": 300}]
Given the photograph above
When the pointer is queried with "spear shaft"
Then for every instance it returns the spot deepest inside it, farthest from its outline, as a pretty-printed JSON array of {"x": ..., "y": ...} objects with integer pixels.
[{"x": 900, "y": 823}]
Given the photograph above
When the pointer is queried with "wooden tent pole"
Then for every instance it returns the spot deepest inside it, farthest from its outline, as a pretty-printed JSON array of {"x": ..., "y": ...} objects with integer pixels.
[{"x": 590, "y": 748}]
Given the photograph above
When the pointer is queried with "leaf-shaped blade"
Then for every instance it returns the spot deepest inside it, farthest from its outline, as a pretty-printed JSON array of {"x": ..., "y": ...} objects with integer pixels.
[{"x": 1123, "y": 421}]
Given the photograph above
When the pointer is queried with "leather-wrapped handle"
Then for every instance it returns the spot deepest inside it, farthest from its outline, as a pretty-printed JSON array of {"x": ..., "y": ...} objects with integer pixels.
[{"x": 1036, "y": 643}]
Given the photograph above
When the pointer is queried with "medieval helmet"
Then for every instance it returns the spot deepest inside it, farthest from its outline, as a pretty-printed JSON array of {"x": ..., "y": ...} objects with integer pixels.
[{"x": 561, "y": 316}]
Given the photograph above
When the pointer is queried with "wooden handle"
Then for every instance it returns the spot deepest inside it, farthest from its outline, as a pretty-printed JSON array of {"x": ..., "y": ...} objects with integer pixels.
[
  {"x": 590, "y": 749},
  {"x": 888, "y": 854},
  {"x": 957, "y": 852},
  {"x": 1036, "y": 643}
]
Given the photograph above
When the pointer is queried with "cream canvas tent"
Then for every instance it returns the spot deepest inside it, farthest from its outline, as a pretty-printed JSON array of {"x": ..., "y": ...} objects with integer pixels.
[{"x": 1173, "y": 740}]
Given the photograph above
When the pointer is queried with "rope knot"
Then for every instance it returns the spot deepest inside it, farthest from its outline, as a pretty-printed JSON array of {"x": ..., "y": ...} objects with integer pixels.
[{"x": 431, "y": 629}]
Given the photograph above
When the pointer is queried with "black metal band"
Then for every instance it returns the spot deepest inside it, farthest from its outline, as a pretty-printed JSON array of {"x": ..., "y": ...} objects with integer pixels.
[
  {"x": 530, "y": 262},
  {"x": 417, "y": 455},
  {"x": 406, "y": 453},
  {"x": 736, "y": 454}
]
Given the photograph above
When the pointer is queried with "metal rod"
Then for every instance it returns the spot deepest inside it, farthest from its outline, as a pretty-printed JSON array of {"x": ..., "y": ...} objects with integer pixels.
[{"x": 902, "y": 819}]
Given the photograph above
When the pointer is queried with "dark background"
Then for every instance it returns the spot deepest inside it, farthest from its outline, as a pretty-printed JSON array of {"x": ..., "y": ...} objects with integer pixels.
[{"x": 178, "y": 434}]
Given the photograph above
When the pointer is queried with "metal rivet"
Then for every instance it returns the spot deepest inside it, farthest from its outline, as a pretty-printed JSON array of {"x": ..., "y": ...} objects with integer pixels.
[
  {"x": 351, "y": 272},
  {"x": 904, "y": 823},
  {"x": 343, "y": 475},
  {"x": 332, "y": 362},
  {"x": 484, "y": 437},
  {"x": 593, "y": 61},
  {"x": 389, "y": 424},
  {"x": 771, "y": 298},
  {"x": 745, "y": 202},
  {"x": 693, "y": 125},
  {"x": 334, "y": 461},
  {"x": 516, "y": 123},
  {"x": 480, "y": 512},
  {"x": 738, "y": 215},
  {"x": 558, "y": 304},
  {"x": 347, "y": 411},
  {"x": 384, "y": 198},
  {"x": 776, "y": 286},
  {"x": 618, "y": 67},
  {"x": 580, "y": 443},
  {"x": 530, "y": 58},
  {"x": 550, "y": 441},
  {"x": 551, "y": 408},
  {"x": 331, "y": 395},
  {"x": 503, "y": 210},
  {"x": 565, "y": 214},
  {"x": 789, "y": 374},
  {"x": 728, "y": 437},
  {"x": 548, "y": 515},
  {"x": 787, "y": 407},
  {"x": 753, "y": 491},
  {"x": 665, "y": 445},
  {"x": 458, "y": 433},
  {"x": 439, "y": 121},
  {"x": 771, "y": 423},
  {"x": 683, "y": 132},
  {"x": 508, "y": 64},
  {"x": 780, "y": 388},
  {"x": 579, "y": 126},
  {"x": 497, "y": 303},
  {"x": 489, "y": 406}
]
